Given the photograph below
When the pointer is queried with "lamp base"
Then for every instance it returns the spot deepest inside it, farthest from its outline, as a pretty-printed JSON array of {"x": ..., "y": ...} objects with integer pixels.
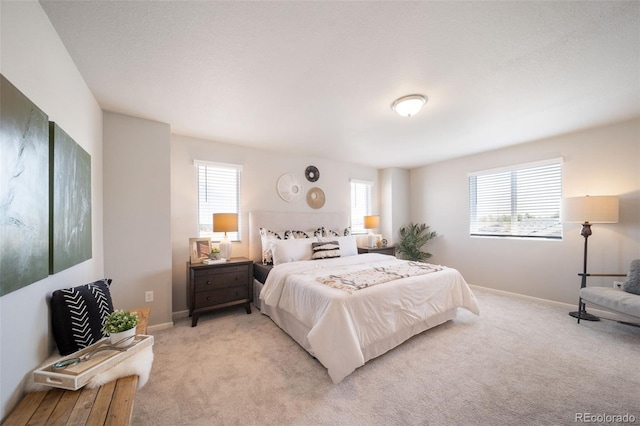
[
  {"x": 585, "y": 316},
  {"x": 225, "y": 249}
]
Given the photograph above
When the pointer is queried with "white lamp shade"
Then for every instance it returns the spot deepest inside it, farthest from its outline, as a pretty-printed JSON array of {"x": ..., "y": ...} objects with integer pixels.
[{"x": 592, "y": 209}]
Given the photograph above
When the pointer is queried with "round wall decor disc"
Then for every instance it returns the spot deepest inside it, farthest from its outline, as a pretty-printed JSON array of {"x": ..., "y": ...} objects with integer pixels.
[
  {"x": 315, "y": 198},
  {"x": 312, "y": 173},
  {"x": 289, "y": 188}
]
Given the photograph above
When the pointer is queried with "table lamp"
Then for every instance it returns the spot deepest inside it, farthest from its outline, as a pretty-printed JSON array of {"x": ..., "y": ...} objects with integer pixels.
[
  {"x": 370, "y": 223},
  {"x": 225, "y": 222}
]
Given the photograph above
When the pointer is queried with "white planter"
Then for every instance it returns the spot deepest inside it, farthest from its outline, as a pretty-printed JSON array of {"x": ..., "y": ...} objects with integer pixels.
[{"x": 116, "y": 337}]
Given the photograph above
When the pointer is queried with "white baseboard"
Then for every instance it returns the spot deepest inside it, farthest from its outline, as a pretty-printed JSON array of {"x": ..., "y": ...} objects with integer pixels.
[
  {"x": 159, "y": 327},
  {"x": 180, "y": 314},
  {"x": 571, "y": 308},
  {"x": 524, "y": 296}
]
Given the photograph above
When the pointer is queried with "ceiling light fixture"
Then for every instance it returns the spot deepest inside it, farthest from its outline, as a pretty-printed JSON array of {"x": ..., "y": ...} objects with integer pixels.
[{"x": 409, "y": 105}]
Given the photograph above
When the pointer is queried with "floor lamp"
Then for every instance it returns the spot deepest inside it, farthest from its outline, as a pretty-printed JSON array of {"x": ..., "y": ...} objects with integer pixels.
[
  {"x": 225, "y": 222},
  {"x": 587, "y": 211}
]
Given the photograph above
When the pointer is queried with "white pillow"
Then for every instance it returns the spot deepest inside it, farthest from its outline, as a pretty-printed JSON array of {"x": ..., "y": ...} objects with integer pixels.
[
  {"x": 285, "y": 251},
  {"x": 268, "y": 236},
  {"x": 348, "y": 246}
]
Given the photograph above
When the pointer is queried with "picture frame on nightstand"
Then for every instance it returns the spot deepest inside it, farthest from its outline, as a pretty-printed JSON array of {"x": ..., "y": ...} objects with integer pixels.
[{"x": 199, "y": 249}]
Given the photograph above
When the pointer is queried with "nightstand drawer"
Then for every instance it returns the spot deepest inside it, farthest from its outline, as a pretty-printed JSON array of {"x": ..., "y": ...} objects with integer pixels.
[
  {"x": 218, "y": 297},
  {"x": 221, "y": 280},
  {"x": 220, "y": 268}
]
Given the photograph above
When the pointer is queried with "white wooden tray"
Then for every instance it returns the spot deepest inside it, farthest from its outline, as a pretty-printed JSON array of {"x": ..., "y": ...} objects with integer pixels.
[{"x": 76, "y": 376}]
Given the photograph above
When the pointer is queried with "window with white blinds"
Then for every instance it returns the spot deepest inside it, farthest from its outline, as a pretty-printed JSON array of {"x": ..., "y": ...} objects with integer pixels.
[
  {"x": 218, "y": 192},
  {"x": 360, "y": 205},
  {"x": 521, "y": 201}
]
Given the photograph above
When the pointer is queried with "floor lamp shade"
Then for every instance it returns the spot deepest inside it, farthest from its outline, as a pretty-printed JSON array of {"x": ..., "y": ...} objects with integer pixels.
[
  {"x": 595, "y": 209},
  {"x": 225, "y": 222}
]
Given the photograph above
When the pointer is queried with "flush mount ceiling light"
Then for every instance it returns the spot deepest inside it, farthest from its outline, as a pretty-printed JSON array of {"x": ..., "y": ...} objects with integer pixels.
[{"x": 408, "y": 106}]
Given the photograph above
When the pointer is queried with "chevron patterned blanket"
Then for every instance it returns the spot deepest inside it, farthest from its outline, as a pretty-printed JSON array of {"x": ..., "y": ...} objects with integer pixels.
[{"x": 358, "y": 280}]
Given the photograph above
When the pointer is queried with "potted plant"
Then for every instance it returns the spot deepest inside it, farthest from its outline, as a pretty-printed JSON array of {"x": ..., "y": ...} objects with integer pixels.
[
  {"x": 412, "y": 238},
  {"x": 215, "y": 254},
  {"x": 121, "y": 324}
]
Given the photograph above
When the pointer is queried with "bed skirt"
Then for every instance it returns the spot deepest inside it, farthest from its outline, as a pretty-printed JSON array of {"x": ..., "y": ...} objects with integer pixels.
[{"x": 257, "y": 288}]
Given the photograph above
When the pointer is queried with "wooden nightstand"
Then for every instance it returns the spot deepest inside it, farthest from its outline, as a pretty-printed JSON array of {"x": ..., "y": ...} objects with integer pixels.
[
  {"x": 218, "y": 286},
  {"x": 391, "y": 250}
]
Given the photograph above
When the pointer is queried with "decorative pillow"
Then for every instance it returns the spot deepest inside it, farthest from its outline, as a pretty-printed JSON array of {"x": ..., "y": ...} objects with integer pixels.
[
  {"x": 325, "y": 250},
  {"x": 291, "y": 234},
  {"x": 78, "y": 313},
  {"x": 632, "y": 284},
  {"x": 285, "y": 251},
  {"x": 267, "y": 237},
  {"x": 348, "y": 246},
  {"x": 337, "y": 233}
]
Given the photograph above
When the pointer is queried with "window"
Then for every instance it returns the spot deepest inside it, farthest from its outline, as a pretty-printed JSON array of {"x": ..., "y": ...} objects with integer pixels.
[
  {"x": 521, "y": 201},
  {"x": 218, "y": 192},
  {"x": 360, "y": 205}
]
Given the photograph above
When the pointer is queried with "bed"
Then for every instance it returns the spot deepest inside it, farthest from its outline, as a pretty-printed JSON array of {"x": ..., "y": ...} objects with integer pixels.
[{"x": 349, "y": 309}]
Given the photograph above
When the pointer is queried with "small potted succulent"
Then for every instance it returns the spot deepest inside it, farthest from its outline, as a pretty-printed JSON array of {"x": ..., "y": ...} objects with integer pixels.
[
  {"x": 120, "y": 325},
  {"x": 215, "y": 254}
]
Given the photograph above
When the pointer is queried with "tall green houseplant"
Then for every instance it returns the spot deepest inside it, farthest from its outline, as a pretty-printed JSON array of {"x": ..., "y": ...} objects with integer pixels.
[{"x": 412, "y": 238}]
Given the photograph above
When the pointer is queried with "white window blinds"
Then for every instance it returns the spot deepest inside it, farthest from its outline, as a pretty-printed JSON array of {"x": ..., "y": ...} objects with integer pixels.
[
  {"x": 360, "y": 205},
  {"x": 218, "y": 192},
  {"x": 521, "y": 201}
]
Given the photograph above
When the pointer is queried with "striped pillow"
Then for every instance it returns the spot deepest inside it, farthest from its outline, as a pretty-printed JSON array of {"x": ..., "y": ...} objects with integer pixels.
[
  {"x": 325, "y": 250},
  {"x": 78, "y": 314}
]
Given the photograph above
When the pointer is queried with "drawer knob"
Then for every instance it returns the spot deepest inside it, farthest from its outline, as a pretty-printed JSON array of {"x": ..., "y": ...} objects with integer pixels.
[
  {"x": 208, "y": 297},
  {"x": 208, "y": 282}
]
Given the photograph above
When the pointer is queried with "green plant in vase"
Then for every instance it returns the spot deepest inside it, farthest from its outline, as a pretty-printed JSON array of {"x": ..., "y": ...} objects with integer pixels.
[
  {"x": 121, "y": 324},
  {"x": 412, "y": 238},
  {"x": 215, "y": 254}
]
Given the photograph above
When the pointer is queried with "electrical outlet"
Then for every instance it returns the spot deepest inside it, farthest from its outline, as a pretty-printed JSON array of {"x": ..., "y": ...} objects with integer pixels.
[
  {"x": 617, "y": 284},
  {"x": 148, "y": 296}
]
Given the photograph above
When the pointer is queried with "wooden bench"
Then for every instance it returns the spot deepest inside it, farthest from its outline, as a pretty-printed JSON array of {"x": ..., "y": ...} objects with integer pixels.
[{"x": 110, "y": 404}]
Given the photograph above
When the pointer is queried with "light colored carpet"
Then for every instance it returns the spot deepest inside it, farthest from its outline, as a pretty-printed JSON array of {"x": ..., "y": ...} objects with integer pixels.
[{"x": 519, "y": 362}]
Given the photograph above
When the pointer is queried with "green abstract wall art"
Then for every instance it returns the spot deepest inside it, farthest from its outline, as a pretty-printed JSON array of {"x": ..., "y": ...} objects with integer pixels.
[
  {"x": 70, "y": 199},
  {"x": 24, "y": 190}
]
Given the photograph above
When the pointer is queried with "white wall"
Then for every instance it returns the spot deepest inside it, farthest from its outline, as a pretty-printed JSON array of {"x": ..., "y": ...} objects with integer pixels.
[
  {"x": 137, "y": 218},
  {"x": 600, "y": 161},
  {"x": 261, "y": 170},
  {"x": 34, "y": 59},
  {"x": 394, "y": 202}
]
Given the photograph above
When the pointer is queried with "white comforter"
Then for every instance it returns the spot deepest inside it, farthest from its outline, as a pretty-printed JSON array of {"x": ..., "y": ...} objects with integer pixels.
[{"x": 341, "y": 325}]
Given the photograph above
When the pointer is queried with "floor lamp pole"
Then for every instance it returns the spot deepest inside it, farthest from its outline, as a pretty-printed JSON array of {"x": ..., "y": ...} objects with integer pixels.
[{"x": 585, "y": 232}]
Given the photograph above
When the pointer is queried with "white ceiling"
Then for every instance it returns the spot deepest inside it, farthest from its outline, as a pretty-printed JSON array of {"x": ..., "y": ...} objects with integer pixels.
[{"x": 318, "y": 77}]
